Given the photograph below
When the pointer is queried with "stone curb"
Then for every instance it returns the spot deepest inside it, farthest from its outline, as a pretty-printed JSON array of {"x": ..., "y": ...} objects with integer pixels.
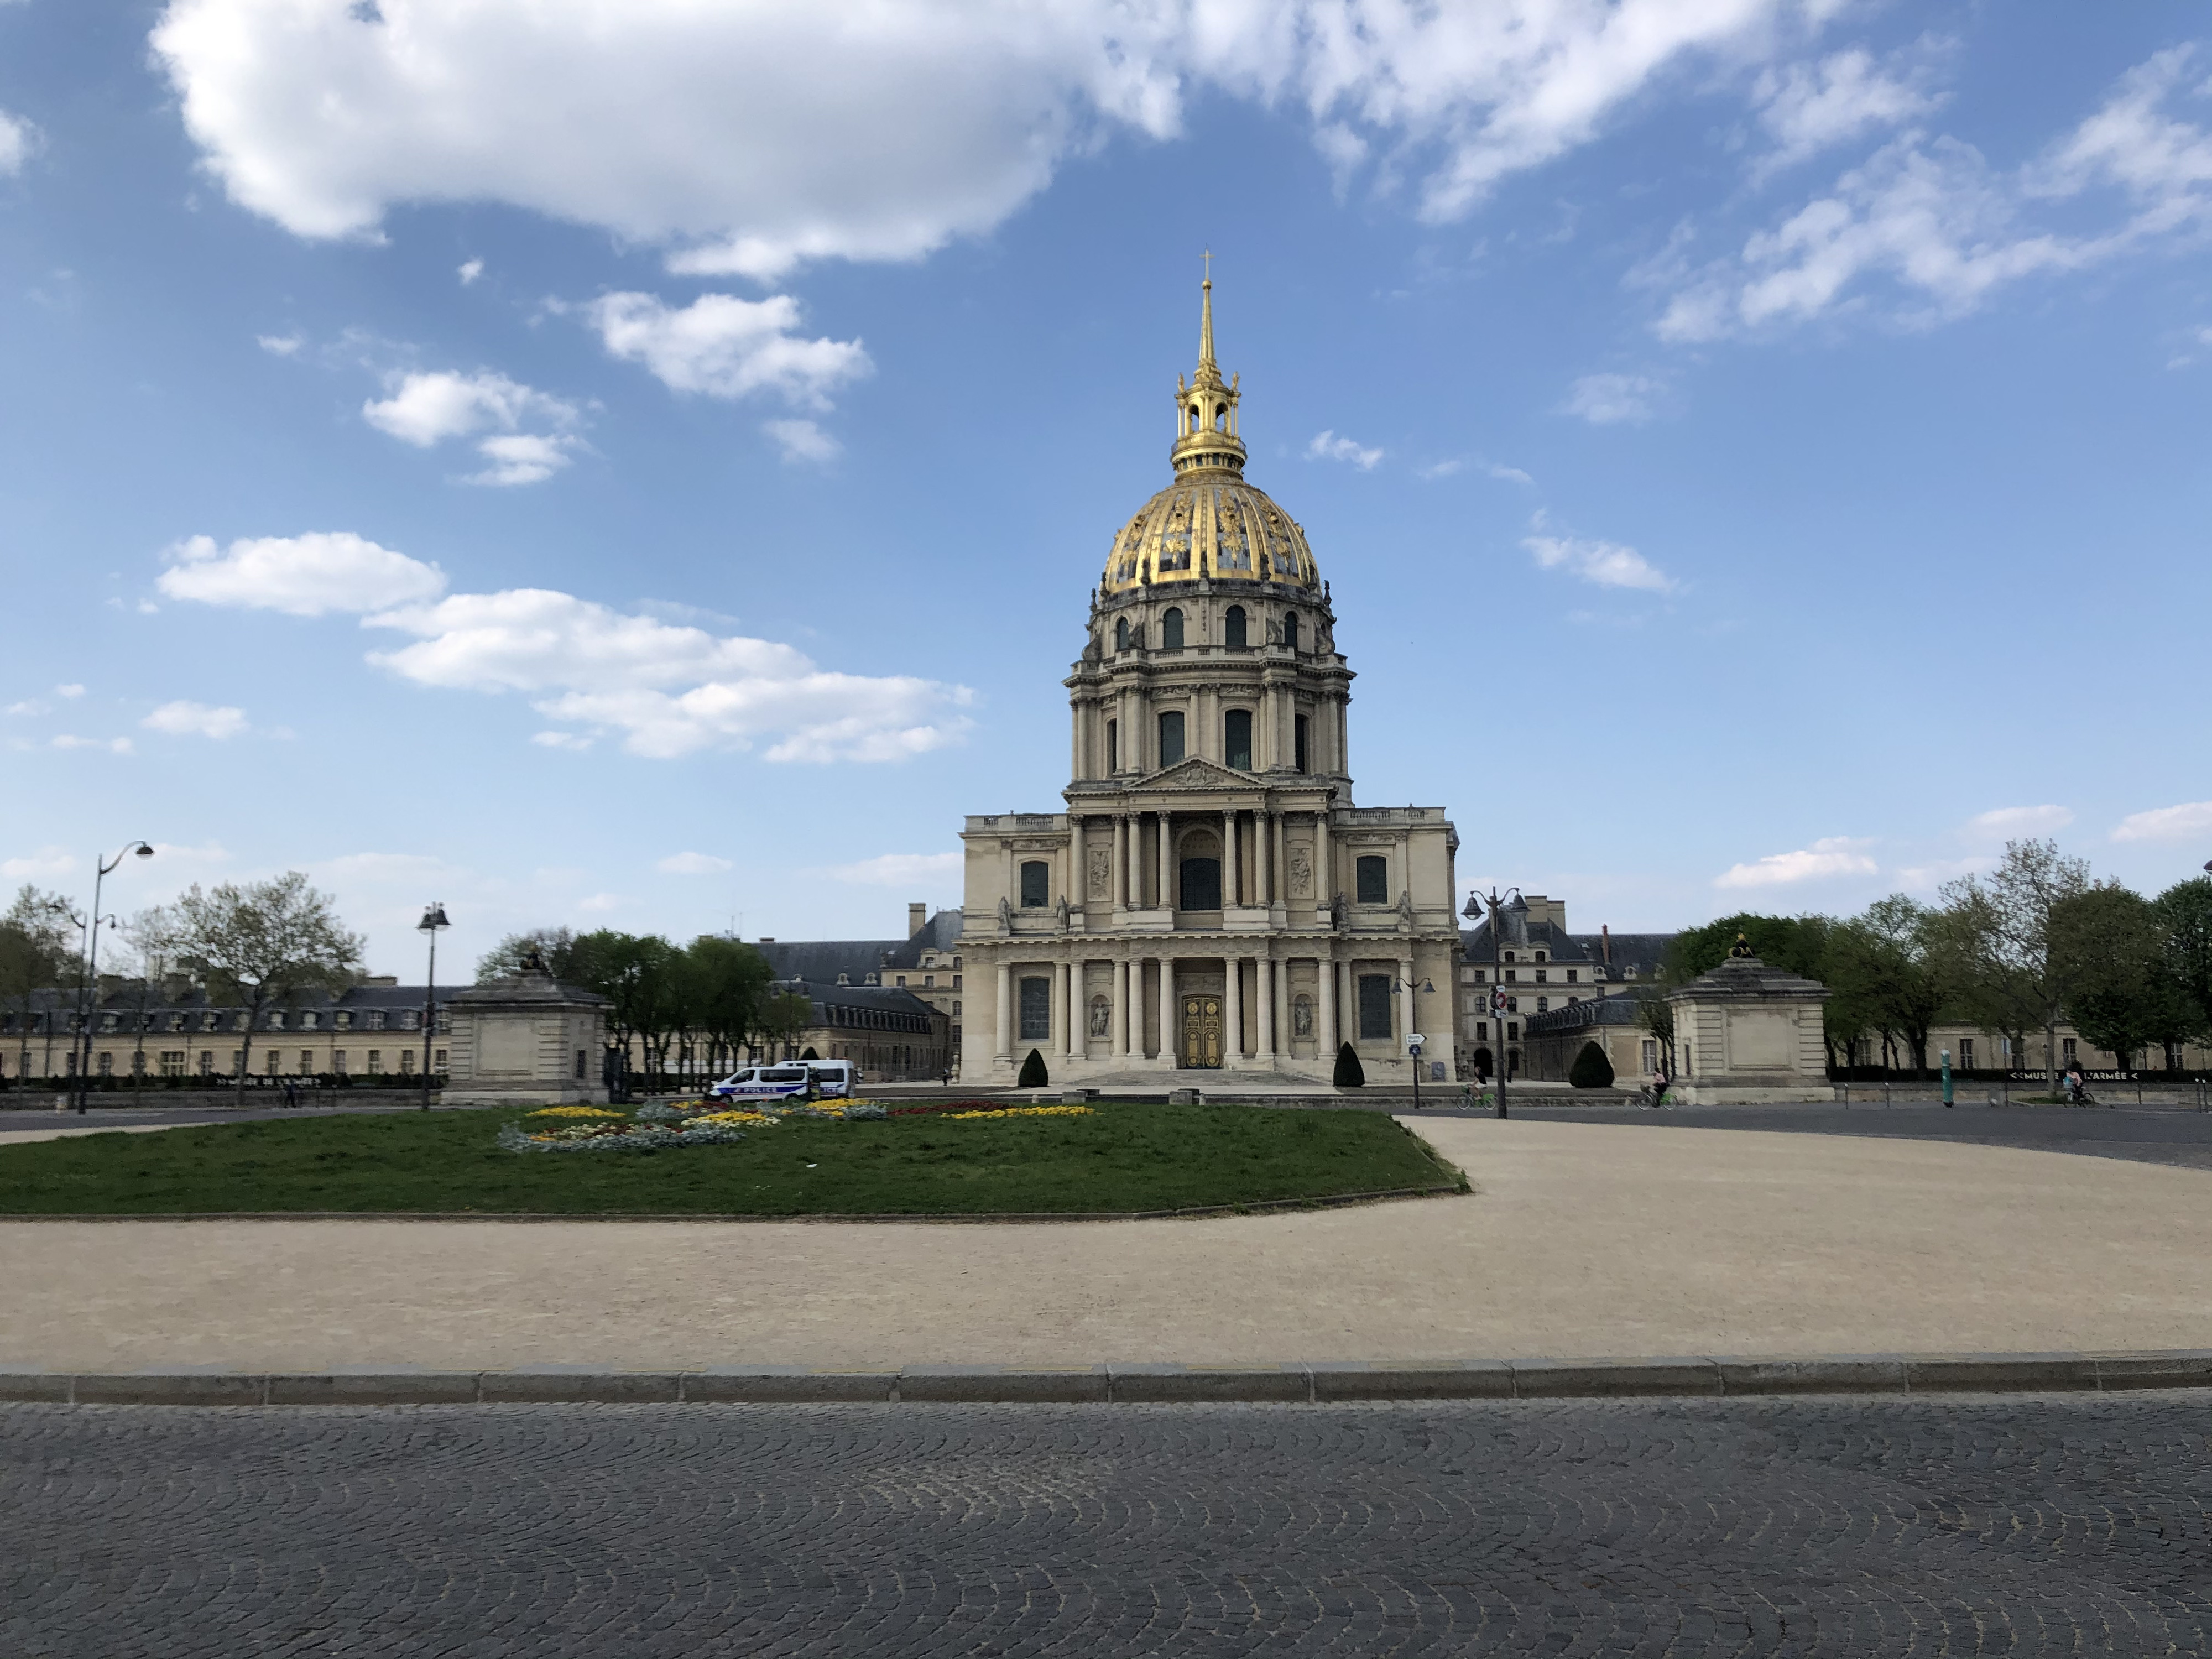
[{"x": 1321, "y": 1382}]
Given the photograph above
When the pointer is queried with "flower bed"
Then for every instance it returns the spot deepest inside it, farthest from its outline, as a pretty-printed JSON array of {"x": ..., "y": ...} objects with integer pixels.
[
  {"x": 1020, "y": 1111},
  {"x": 618, "y": 1137}
]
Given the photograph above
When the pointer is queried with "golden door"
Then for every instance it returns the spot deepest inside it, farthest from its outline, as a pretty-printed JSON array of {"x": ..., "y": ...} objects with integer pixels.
[{"x": 1201, "y": 1031}]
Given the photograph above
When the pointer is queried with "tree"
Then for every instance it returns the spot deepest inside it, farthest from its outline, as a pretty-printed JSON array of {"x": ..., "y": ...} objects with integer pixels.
[
  {"x": 555, "y": 946},
  {"x": 1591, "y": 1069},
  {"x": 2184, "y": 914},
  {"x": 1350, "y": 1073},
  {"x": 783, "y": 1016},
  {"x": 151, "y": 935},
  {"x": 2108, "y": 945},
  {"x": 729, "y": 991},
  {"x": 1034, "y": 1075},
  {"x": 1657, "y": 1015},
  {"x": 260, "y": 944},
  {"x": 1995, "y": 932},
  {"x": 1796, "y": 943},
  {"x": 633, "y": 972},
  {"x": 1887, "y": 971},
  {"x": 34, "y": 955}
]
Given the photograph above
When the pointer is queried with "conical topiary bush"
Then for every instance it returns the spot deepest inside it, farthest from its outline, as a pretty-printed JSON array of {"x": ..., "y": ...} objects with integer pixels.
[
  {"x": 1591, "y": 1069},
  {"x": 1034, "y": 1075},
  {"x": 1350, "y": 1073}
]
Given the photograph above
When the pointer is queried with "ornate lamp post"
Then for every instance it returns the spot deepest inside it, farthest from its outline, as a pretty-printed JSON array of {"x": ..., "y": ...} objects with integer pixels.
[
  {"x": 1413, "y": 1038},
  {"x": 1476, "y": 902},
  {"x": 434, "y": 921},
  {"x": 89, "y": 992}
]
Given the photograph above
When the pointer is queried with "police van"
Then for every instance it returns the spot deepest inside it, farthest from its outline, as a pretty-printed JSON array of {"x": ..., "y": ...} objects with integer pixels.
[{"x": 833, "y": 1080}]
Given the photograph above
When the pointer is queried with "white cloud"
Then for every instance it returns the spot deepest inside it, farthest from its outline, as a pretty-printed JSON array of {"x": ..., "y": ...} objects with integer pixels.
[
  {"x": 1611, "y": 399},
  {"x": 1808, "y": 107},
  {"x": 281, "y": 345},
  {"x": 571, "y": 740},
  {"x": 45, "y": 863},
  {"x": 2018, "y": 822},
  {"x": 899, "y": 870},
  {"x": 427, "y": 408},
  {"x": 693, "y": 864},
  {"x": 669, "y": 689},
  {"x": 1605, "y": 564},
  {"x": 1834, "y": 855},
  {"x": 599, "y": 903},
  {"x": 2190, "y": 821},
  {"x": 803, "y": 440},
  {"x": 1945, "y": 230},
  {"x": 68, "y": 690},
  {"x": 725, "y": 346},
  {"x": 196, "y": 720},
  {"x": 471, "y": 270},
  {"x": 302, "y": 575},
  {"x": 745, "y": 138},
  {"x": 19, "y": 142},
  {"x": 1509, "y": 474},
  {"x": 28, "y": 706},
  {"x": 1328, "y": 446},
  {"x": 113, "y": 745}
]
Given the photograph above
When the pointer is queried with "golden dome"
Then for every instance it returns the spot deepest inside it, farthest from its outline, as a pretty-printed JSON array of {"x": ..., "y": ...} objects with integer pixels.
[
  {"x": 1214, "y": 527},
  {"x": 1209, "y": 523}
]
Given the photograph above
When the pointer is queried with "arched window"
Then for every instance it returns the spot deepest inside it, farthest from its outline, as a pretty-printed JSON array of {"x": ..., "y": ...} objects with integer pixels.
[
  {"x": 1221, "y": 417},
  {"x": 1172, "y": 737},
  {"x": 1037, "y": 884},
  {"x": 1121, "y": 634},
  {"x": 1194, "y": 418},
  {"x": 1237, "y": 739},
  {"x": 1232, "y": 627},
  {"x": 1171, "y": 629},
  {"x": 1291, "y": 630}
]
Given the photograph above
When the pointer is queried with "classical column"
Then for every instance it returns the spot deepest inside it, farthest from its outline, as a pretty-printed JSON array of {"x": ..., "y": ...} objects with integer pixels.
[
  {"x": 1167, "y": 895},
  {"x": 1120, "y": 894},
  {"x": 1121, "y": 1005},
  {"x": 1078, "y": 1021},
  {"x": 1168, "y": 1051},
  {"x": 1263, "y": 874},
  {"x": 1324, "y": 861},
  {"x": 1263, "y": 993},
  {"x": 1325, "y": 1036},
  {"x": 1079, "y": 878},
  {"x": 1229, "y": 858},
  {"x": 1282, "y": 861},
  {"x": 1005, "y": 1050},
  {"x": 1232, "y": 1010}
]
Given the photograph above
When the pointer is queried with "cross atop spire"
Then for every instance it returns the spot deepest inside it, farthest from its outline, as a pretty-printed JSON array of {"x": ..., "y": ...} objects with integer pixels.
[
  {"x": 1209, "y": 371},
  {"x": 1206, "y": 410}
]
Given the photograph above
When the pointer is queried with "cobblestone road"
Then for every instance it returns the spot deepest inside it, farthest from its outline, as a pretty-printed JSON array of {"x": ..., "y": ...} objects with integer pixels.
[{"x": 2052, "y": 1525}]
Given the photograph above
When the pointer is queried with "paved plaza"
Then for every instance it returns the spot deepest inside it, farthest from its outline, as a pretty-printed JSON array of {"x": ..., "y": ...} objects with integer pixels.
[
  {"x": 1580, "y": 1240},
  {"x": 2039, "y": 1525}
]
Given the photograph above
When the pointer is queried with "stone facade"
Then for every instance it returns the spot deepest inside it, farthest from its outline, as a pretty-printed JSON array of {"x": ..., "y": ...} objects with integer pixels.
[{"x": 1211, "y": 902}]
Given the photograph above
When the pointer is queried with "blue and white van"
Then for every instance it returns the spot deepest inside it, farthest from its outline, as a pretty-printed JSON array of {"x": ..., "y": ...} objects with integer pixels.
[{"x": 833, "y": 1079}]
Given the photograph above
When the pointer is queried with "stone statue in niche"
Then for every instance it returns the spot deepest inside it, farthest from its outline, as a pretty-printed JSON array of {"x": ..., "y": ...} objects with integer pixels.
[
  {"x": 1060, "y": 913},
  {"x": 1302, "y": 1016},
  {"x": 1339, "y": 912},
  {"x": 1101, "y": 1018},
  {"x": 1301, "y": 872},
  {"x": 1006, "y": 915},
  {"x": 1101, "y": 860},
  {"x": 1405, "y": 910}
]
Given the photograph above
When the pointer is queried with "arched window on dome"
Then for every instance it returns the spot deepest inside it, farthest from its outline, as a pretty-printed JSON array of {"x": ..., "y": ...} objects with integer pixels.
[
  {"x": 1171, "y": 629},
  {"x": 1291, "y": 630},
  {"x": 1221, "y": 417},
  {"x": 1232, "y": 629},
  {"x": 1121, "y": 634},
  {"x": 1196, "y": 416}
]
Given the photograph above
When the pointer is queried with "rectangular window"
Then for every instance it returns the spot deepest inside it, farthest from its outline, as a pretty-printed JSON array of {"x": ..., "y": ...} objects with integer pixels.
[
  {"x": 1113, "y": 746},
  {"x": 207, "y": 1062},
  {"x": 1237, "y": 739},
  {"x": 927, "y": 980},
  {"x": 1037, "y": 884},
  {"x": 1966, "y": 1053},
  {"x": 1036, "y": 1011},
  {"x": 276, "y": 1062},
  {"x": 1570, "y": 977},
  {"x": 1482, "y": 977},
  {"x": 1482, "y": 1030},
  {"x": 172, "y": 1062},
  {"x": 237, "y": 1061},
  {"x": 376, "y": 1019},
  {"x": 1372, "y": 879},
  {"x": 1513, "y": 1031},
  {"x": 902, "y": 979},
  {"x": 2066, "y": 1045},
  {"x": 1512, "y": 976},
  {"x": 1375, "y": 1007},
  {"x": 375, "y": 1061},
  {"x": 407, "y": 1062},
  {"x": 1543, "y": 1003},
  {"x": 1542, "y": 978},
  {"x": 106, "y": 1064},
  {"x": 338, "y": 1062},
  {"x": 956, "y": 982},
  {"x": 1650, "y": 1054},
  {"x": 306, "y": 1061},
  {"x": 1298, "y": 743},
  {"x": 439, "y": 1061},
  {"x": 1170, "y": 737}
]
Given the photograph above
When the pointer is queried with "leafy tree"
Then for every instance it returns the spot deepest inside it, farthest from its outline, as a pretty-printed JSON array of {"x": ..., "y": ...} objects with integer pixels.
[
  {"x": 259, "y": 944},
  {"x": 728, "y": 990},
  {"x": 1798, "y": 943},
  {"x": 151, "y": 935},
  {"x": 35, "y": 954},
  {"x": 2109, "y": 949},
  {"x": 1350, "y": 1073},
  {"x": 1591, "y": 1069},
  {"x": 2184, "y": 914},
  {"x": 1994, "y": 931},
  {"x": 783, "y": 1016},
  {"x": 1886, "y": 969},
  {"x": 1034, "y": 1075},
  {"x": 636, "y": 974},
  {"x": 555, "y": 946}
]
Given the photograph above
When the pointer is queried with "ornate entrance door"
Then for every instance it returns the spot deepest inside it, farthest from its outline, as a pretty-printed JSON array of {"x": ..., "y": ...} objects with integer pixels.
[{"x": 1201, "y": 1031}]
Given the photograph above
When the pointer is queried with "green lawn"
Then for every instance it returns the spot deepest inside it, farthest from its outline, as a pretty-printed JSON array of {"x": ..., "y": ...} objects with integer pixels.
[{"x": 1121, "y": 1158}]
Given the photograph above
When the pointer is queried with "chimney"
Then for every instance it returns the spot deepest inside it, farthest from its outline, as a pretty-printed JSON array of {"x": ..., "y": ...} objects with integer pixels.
[
  {"x": 1605, "y": 942},
  {"x": 917, "y": 918}
]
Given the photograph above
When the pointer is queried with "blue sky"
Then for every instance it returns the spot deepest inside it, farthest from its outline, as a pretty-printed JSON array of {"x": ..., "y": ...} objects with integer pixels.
[{"x": 650, "y": 473}]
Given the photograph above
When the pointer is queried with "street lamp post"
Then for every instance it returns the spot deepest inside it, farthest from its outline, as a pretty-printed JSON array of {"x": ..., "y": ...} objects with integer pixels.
[
  {"x": 1413, "y": 1038},
  {"x": 434, "y": 920},
  {"x": 89, "y": 992},
  {"x": 1496, "y": 908}
]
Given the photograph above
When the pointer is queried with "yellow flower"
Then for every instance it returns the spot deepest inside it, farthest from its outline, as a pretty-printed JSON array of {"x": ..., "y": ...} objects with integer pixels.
[
  {"x": 574, "y": 1111},
  {"x": 1022, "y": 1111}
]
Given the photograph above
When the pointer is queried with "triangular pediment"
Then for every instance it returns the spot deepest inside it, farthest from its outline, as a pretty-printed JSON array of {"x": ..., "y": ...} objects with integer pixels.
[{"x": 1196, "y": 773}]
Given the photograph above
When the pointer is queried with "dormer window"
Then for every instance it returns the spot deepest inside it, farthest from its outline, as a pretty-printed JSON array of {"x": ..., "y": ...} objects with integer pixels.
[
  {"x": 1509, "y": 956},
  {"x": 1540, "y": 956}
]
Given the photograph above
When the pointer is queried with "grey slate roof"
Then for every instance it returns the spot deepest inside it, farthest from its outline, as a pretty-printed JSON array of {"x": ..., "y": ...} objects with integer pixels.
[
  {"x": 818, "y": 961},
  {"x": 1581, "y": 1015},
  {"x": 1642, "y": 952},
  {"x": 870, "y": 1007},
  {"x": 59, "y": 1006}
]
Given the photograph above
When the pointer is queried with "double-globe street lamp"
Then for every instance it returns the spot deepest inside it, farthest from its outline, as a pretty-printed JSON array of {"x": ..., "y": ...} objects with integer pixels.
[
  {"x": 434, "y": 922},
  {"x": 1476, "y": 903},
  {"x": 88, "y": 986}
]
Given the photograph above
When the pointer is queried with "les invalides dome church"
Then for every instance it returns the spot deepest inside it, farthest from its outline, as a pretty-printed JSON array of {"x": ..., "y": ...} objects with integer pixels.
[{"x": 1211, "y": 910}]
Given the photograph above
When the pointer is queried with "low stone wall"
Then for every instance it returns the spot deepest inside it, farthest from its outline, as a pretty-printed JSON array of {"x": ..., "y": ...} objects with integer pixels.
[{"x": 210, "y": 1100}]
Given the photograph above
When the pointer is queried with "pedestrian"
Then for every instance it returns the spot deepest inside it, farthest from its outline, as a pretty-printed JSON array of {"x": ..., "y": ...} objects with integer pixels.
[
  {"x": 1658, "y": 1090},
  {"x": 2073, "y": 1085},
  {"x": 291, "y": 1093}
]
